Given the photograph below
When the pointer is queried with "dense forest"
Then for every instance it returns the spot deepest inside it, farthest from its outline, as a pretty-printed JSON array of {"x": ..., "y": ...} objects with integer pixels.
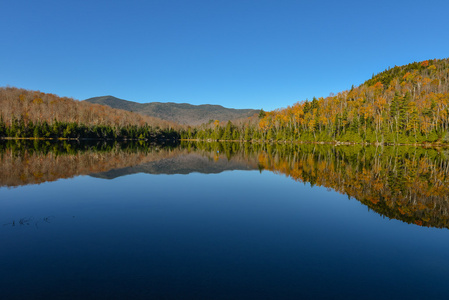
[
  {"x": 402, "y": 105},
  {"x": 33, "y": 114},
  {"x": 407, "y": 104}
]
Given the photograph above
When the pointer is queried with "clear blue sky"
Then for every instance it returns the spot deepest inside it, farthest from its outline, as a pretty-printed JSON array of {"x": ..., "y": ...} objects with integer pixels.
[{"x": 241, "y": 54}]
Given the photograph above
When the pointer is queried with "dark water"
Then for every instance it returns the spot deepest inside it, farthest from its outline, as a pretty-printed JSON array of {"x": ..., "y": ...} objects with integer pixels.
[{"x": 223, "y": 221}]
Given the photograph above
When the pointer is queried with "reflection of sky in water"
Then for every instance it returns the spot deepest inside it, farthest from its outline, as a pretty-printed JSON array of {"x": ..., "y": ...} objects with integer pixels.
[{"x": 235, "y": 234}]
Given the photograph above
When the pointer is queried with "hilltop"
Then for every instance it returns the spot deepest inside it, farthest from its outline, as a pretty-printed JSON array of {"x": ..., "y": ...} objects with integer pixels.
[
  {"x": 181, "y": 113},
  {"x": 402, "y": 105},
  {"x": 33, "y": 114}
]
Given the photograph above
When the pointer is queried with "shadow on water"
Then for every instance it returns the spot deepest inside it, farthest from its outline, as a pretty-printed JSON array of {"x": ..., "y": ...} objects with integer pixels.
[{"x": 410, "y": 184}]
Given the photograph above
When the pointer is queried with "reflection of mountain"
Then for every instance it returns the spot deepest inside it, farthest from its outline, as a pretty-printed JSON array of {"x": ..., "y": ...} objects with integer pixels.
[
  {"x": 34, "y": 162},
  {"x": 184, "y": 163},
  {"x": 406, "y": 183},
  {"x": 25, "y": 162}
]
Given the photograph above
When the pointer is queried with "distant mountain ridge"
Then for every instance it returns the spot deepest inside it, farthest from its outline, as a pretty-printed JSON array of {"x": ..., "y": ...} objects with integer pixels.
[{"x": 181, "y": 113}]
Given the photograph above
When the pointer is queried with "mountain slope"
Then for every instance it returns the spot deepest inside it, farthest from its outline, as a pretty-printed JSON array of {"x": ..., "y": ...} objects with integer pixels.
[
  {"x": 37, "y": 107},
  {"x": 181, "y": 113},
  {"x": 115, "y": 103},
  {"x": 402, "y": 105}
]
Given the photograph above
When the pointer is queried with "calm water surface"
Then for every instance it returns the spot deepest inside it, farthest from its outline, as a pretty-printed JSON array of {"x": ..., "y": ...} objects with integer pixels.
[{"x": 202, "y": 222}]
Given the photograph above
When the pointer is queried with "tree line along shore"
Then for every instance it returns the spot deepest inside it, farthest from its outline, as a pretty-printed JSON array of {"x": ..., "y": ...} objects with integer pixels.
[{"x": 403, "y": 105}]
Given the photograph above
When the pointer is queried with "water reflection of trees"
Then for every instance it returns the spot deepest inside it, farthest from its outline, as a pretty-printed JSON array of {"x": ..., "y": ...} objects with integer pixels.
[
  {"x": 405, "y": 183},
  {"x": 25, "y": 162}
]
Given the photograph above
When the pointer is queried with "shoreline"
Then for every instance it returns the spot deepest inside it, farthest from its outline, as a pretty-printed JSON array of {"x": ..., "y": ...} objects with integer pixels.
[{"x": 335, "y": 143}]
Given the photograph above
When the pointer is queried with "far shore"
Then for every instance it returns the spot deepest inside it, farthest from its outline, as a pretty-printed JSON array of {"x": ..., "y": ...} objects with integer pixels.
[{"x": 335, "y": 143}]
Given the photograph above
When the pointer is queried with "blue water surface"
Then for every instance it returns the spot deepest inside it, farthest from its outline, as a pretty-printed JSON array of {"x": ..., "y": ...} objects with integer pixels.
[{"x": 232, "y": 235}]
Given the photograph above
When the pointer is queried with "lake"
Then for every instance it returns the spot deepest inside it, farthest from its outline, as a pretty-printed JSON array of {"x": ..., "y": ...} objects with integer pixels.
[{"x": 222, "y": 221}]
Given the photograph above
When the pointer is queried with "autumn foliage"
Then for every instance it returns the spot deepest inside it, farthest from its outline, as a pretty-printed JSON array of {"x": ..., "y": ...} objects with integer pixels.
[
  {"x": 407, "y": 104},
  {"x": 25, "y": 113}
]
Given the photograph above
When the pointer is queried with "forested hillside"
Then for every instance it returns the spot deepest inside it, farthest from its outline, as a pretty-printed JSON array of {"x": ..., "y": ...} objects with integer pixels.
[
  {"x": 407, "y": 104},
  {"x": 25, "y": 113},
  {"x": 402, "y": 105},
  {"x": 181, "y": 113}
]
